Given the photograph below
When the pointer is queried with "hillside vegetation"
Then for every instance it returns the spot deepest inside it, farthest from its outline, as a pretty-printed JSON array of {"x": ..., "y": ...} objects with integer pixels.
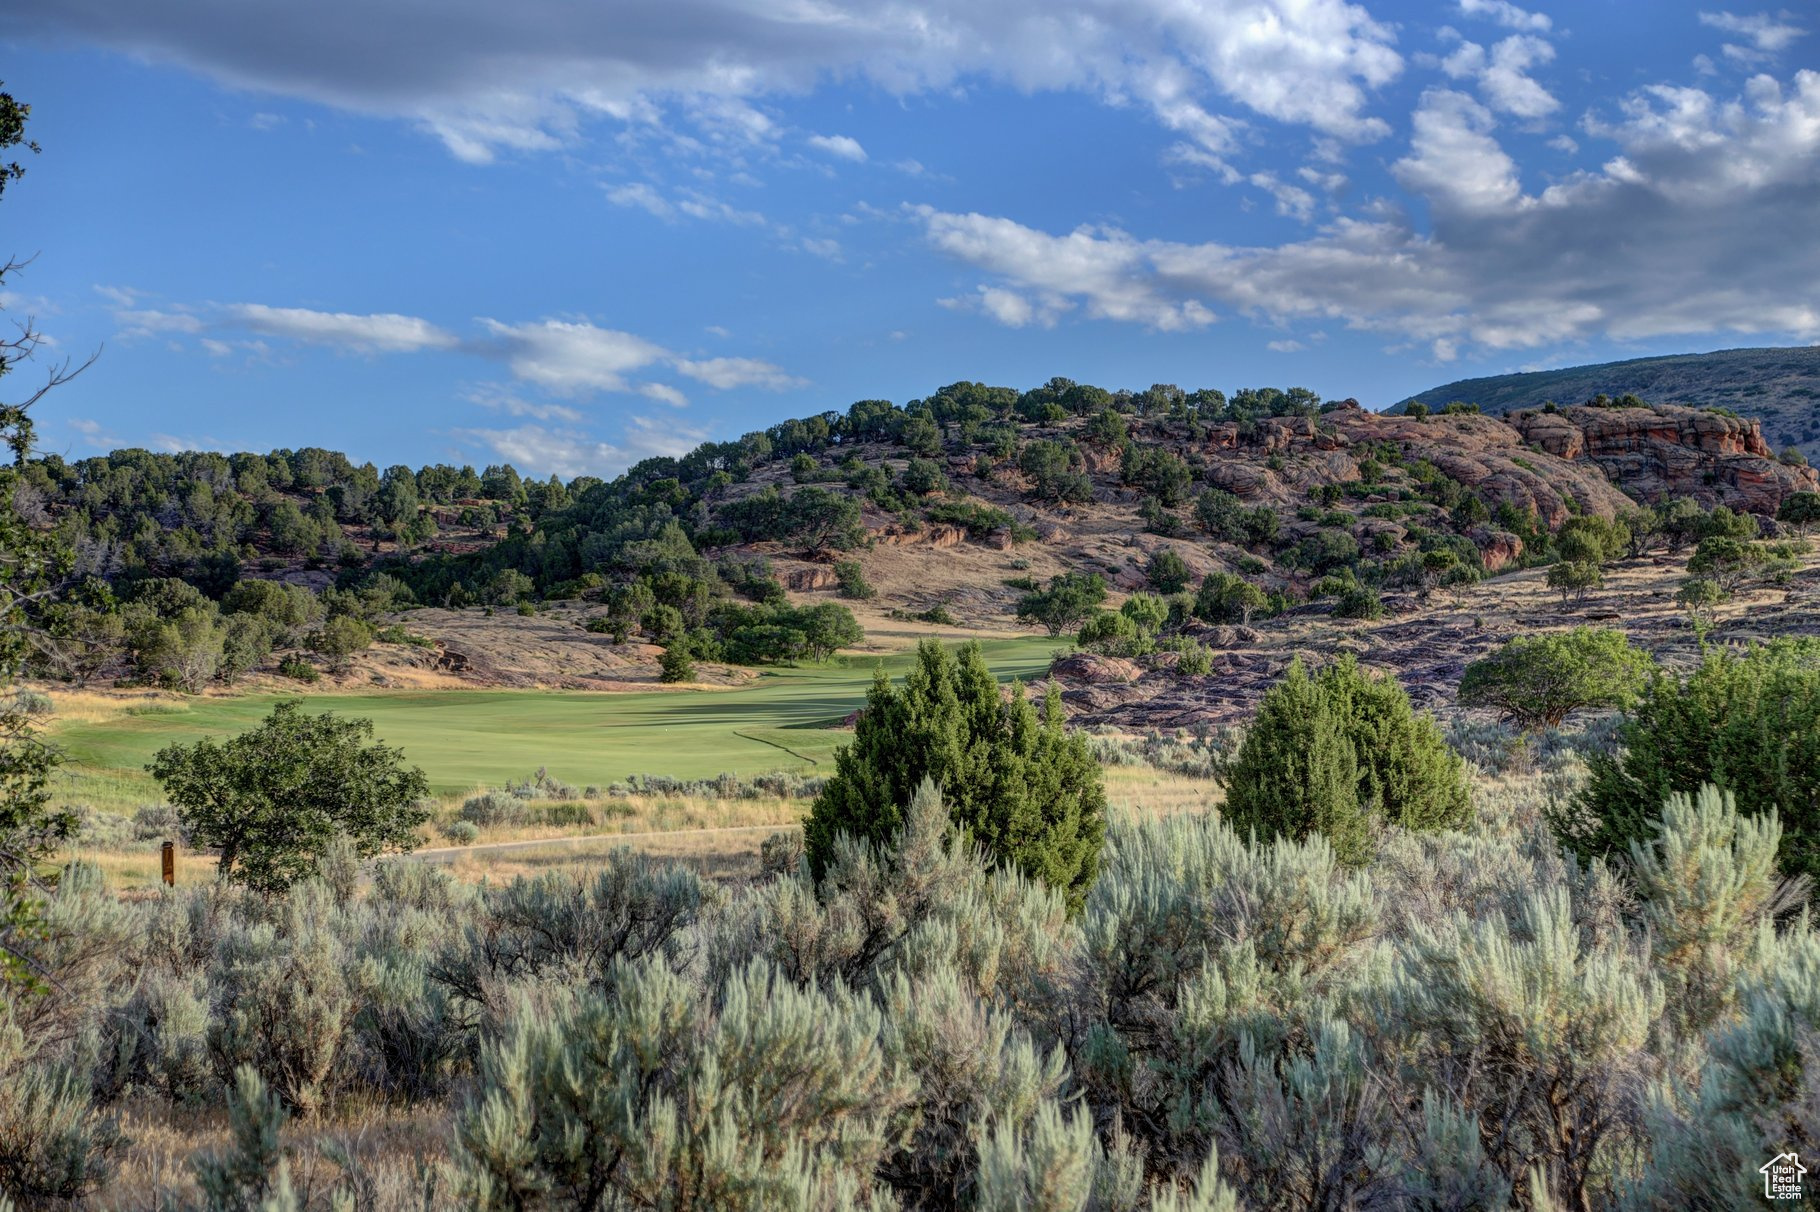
[
  {"x": 1778, "y": 387},
  {"x": 198, "y": 570}
]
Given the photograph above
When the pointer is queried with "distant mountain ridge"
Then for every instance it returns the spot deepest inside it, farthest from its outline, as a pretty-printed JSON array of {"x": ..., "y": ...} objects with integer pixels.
[{"x": 1779, "y": 387}]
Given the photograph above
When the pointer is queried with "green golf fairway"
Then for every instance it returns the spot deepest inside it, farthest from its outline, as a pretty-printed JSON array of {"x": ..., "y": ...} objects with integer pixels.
[{"x": 787, "y": 720}]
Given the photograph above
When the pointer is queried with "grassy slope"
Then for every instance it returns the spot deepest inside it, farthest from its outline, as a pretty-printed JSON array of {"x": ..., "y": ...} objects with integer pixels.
[
  {"x": 1780, "y": 387},
  {"x": 463, "y": 738}
]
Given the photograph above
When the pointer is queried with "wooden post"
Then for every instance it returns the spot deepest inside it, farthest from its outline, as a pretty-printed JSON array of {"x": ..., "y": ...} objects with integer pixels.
[{"x": 170, "y": 864}]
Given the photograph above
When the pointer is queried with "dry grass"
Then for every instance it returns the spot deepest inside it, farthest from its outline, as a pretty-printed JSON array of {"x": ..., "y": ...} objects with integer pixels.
[
  {"x": 399, "y": 1150},
  {"x": 1147, "y": 791}
]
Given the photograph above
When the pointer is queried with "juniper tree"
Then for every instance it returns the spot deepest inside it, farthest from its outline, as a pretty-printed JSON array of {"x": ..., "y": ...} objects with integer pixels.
[
  {"x": 1019, "y": 785},
  {"x": 1747, "y": 722},
  {"x": 1297, "y": 772},
  {"x": 1327, "y": 753}
]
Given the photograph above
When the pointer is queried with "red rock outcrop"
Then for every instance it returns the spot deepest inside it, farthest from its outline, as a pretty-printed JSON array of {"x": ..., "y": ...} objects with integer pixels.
[{"x": 1665, "y": 452}]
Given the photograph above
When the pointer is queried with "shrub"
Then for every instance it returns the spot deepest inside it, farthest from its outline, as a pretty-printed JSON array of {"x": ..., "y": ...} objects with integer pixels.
[
  {"x": 581, "y": 1106},
  {"x": 1746, "y": 722},
  {"x": 1226, "y": 598},
  {"x": 340, "y": 638},
  {"x": 1358, "y": 601},
  {"x": 1056, "y": 471},
  {"x": 460, "y": 832},
  {"x": 53, "y": 1145},
  {"x": 1024, "y": 789},
  {"x": 1538, "y": 681},
  {"x": 494, "y": 808},
  {"x": 1195, "y": 660},
  {"x": 1167, "y": 571},
  {"x": 271, "y": 800},
  {"x": 282, "y": 1003},
  {"x": 298, "y": 669},
  {"x": 1327, "y": 752},
  {"x": 674, "y": 664},
  {"x": 1067, "y": 602},
  {"x": 1800, "y": 510},
  {"x": 1113, "y": 633},
  {"x": 852, "y": 580},
  {"x": 1574, "y": 579}
]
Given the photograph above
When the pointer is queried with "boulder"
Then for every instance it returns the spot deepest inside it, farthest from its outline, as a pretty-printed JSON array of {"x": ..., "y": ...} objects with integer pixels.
[{"x": 1093, "y": 669}]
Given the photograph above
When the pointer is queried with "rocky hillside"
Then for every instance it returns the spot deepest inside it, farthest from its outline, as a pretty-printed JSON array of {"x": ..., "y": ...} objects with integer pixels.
[
  {"x": 750, "y": 552},
  {"x": 1778, "y": 387},
  {"x": 1346, "y": 487}
]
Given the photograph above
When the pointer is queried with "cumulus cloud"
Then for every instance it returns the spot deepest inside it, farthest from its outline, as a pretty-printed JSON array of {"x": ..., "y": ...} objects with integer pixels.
[
  {"x": 1508, "y": 15},
  {"x": 1008, "y": 307},
  {"x": 1104, "y": 267},
  {"x": 841, "y": 146},
  {"x": 568, "y": 451},
  {"x": 1767, "y": 35},
  {"x": 569, "y": 356},
  {"x": 663, "y": 393},
  {"x": 726, "y": 373},
  {"x": 484, "y": 79},
  {"x": 1503, "y": 74},
  {"x": 565, "y": 357},
  {"x": 538, "y": 450},
  {"x": 1684, "y": 231},
  {"x": 385, "y": 332}
]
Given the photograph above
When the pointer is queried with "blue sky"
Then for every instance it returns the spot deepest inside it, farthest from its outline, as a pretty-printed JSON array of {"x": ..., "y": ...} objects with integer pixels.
[{"x": 575, "y": 234}]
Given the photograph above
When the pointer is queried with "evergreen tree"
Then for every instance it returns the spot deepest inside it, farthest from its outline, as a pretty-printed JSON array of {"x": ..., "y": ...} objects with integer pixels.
[
  {"x": 1327, "y": 752},
  {"x": 1019, "y": 784},
  {"x": 1297, "y": 773},
  {"x": 1746, "y": 722}
]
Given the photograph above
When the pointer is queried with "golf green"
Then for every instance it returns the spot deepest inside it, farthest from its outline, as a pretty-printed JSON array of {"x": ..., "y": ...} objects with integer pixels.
[{"x": 787, "y": 720}]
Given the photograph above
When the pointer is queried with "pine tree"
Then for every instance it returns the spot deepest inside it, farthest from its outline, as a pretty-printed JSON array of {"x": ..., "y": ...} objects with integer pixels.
[{"x": 1020, "y": 785}]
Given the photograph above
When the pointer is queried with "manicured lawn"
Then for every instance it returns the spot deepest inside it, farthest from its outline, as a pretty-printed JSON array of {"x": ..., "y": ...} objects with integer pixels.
[{"x": 464, "y": 738}]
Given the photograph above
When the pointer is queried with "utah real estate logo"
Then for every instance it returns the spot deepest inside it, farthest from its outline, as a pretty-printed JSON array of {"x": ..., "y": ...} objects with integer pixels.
[{"x": 1782, "y": 1176}]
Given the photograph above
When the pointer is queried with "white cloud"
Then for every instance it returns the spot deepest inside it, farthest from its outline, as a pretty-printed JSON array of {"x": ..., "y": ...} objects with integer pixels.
[
  {"x": 1103, "y": 266},
  {"x": 1503, "y": 74},
  {"x": 841, "y": 146},
  {"x": 569, "y": 357},
  {"x": 145, "y": 322},
  {"x": 726, "y": 373},
  {"x": 497, "y": 398},
  {"x": 1008, "y": 307},
  {"x": 663, "y": 393},
  {"x": 646, "y": 438},
  {"x": 1768, "y": 35},
  {"x": 1508, "y": 87},
  {"x": 1507, "y": 14},
  {"x": 569, "y": 452},
  {"x": 1454, "y": 161},
  {"x": 701, "y": 206},
  {"x": 539, "y": 451},
  {"x": 1685, "y": 231},
  {"x": 384, "y": 332},
  {"x": 1285, "y": 346},
  {"x": 486, "y": 85},
  {"x": 1291, "y": 200},
  {"x": 641, "y": 196}
]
